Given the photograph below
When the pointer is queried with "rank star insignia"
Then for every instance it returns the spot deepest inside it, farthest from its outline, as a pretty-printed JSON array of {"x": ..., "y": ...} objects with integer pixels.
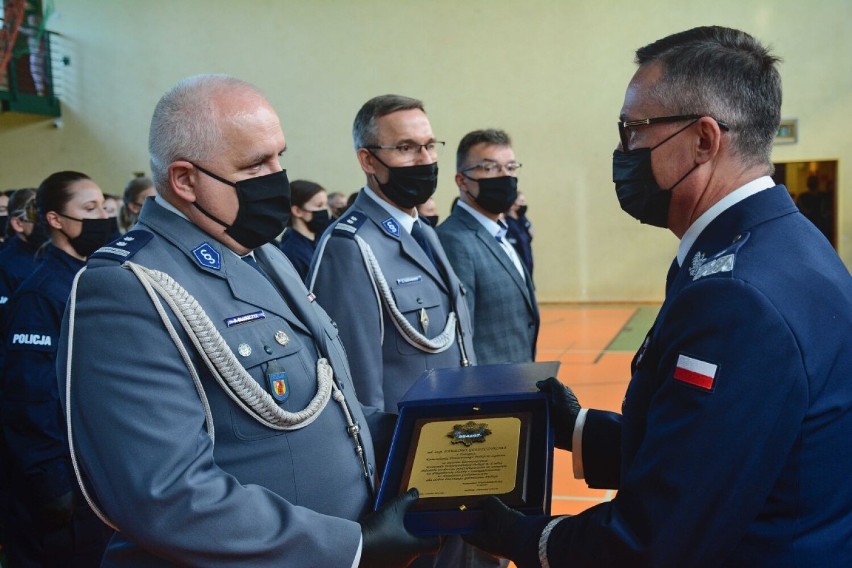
[
  {"x": 281, "y": 338},
  {"x": 469, "y": 433},
  {"x": 697, "y": 261}
]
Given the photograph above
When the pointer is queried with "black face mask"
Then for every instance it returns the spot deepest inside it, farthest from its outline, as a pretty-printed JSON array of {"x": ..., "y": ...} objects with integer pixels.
[
  {"x": 433, "y": 219},
  {"x": 4, "y": 221},
  {"x": 637, "y": 190},
  {"x": 264, "y": 208},
  {"x": 522, "y": 210},
  {"x": 496, "y": 194},
  {"x": 409, "y": 186},
  {"x": 319, "y": 222},
  {"x": 37, "y": 237},
  {"x": 94, "y": 234}
]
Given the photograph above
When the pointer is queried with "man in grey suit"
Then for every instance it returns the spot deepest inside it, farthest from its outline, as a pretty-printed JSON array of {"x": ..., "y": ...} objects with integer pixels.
[
  {"x": 500, "y": 292},
  {"x": 210, "y": 407},
  {"x": 396, "y": 300}
]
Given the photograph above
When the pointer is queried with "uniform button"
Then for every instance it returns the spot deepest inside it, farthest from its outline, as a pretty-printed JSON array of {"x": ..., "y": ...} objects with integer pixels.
[
  {"x": 419, "y": 300},
  {"x": 268, "y": 349}
]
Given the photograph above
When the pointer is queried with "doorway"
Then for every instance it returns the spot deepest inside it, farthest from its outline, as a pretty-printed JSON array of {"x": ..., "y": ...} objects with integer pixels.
[{"x": 813, "y": 186}]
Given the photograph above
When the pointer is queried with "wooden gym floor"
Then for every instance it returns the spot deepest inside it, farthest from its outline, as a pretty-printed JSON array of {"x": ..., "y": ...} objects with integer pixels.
[{"x": 595, "y": 344}]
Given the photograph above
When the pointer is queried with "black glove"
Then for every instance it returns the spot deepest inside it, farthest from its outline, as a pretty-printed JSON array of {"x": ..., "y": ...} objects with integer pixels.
[
  {"x": 564, "y": 409},
  {"x": 55, "y": 513},
  {"x": 508, "y": 534},
  {"x": 386, "y": 542}
]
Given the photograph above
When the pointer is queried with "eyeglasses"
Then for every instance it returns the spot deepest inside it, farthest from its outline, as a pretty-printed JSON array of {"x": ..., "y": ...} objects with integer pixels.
[
  {"x": 411, "y": 150},
  {"x": 625, "y": 125},
  {"x": 488, "y": 167}
]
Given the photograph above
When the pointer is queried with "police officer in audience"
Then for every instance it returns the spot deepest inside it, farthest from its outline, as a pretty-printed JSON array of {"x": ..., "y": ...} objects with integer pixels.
[
  {"x": 63, "y": 530},
  {"x": 500, "y": 295},
  {"x": 519, "y": 231},
  {"x": 210, "y": 403},
  {"x": 732, "y": 448},
  {"x": 17, "y": 258},
  {"x": 135, "y": 193},
  {"x": 337, "y": 204},
  {"x": 309, "y": 217}
]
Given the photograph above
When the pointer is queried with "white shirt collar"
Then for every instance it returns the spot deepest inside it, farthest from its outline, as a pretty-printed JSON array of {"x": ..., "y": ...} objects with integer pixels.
[
  {"x": 161, "y": 201},
  {"x": 694, "y": 230},
  {"x": 405, "y": 220},
  {"x": 493, "y": 227}
]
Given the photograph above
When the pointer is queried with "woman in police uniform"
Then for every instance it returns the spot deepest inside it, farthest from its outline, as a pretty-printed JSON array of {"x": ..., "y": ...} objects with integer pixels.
[
  {"x": 309, "y": 218},
  {"x": 64, "y": 531}
]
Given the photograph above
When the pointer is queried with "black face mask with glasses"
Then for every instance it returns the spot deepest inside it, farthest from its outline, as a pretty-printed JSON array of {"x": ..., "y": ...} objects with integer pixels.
[{"x": 409, "y": 186}]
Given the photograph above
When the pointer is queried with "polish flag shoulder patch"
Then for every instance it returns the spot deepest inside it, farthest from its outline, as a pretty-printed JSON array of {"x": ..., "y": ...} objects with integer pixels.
[{"x": 696, "y": 372}]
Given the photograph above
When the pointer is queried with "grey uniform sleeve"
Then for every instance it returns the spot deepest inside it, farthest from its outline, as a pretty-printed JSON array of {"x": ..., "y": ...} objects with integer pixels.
[
  {"x": 344, "y": 290},
  {"x": 140, "y": 437}
]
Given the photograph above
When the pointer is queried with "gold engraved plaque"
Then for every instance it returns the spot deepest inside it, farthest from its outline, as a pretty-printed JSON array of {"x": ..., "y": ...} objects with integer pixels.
[{"x": 453, "y": 461}]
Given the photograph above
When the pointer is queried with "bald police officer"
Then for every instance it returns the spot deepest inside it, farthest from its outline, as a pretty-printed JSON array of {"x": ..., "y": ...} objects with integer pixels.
[{"x": 214, "y": 421}]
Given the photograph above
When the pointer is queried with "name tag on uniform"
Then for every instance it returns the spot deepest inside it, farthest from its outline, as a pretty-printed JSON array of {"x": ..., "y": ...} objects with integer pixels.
[
  {"x": 409, "y": 280},
  {"x": 245, "y": 318}
]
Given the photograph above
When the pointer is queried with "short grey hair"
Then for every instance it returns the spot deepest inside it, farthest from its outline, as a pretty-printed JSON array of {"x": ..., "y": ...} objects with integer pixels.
[
  {"x": 364, "y": 131},
  {"x": 724, "y": 73},
  {"x": 185, "y": 125}
]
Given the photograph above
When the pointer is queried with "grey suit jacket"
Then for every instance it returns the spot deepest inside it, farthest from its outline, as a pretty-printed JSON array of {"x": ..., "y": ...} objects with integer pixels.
[
  {"x": 257, "y": 496},
  {"x": 384, "y": 365},
  {"x": 502, "y": 304}
]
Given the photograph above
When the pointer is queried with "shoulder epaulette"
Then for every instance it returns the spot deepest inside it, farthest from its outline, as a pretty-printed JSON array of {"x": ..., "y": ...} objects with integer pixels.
[
  {"x": 349, "y": 224},
  {"x": 125, "y": 247},
  {"x": 722, "y": 261}
]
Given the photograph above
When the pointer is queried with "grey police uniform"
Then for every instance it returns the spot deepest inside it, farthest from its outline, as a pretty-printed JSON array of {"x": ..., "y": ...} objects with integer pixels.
[
  {"x": 384, "y": 361},
  {"x": 180, "y": 491}
]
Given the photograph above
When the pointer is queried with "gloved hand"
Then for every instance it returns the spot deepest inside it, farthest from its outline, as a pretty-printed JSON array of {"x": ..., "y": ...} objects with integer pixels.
[
  {"x": 508, "y": 534},
  {"x": 55, "y": 513},
  {"x": 564, "y": 409},
  {"x": 386, "y": 542}
]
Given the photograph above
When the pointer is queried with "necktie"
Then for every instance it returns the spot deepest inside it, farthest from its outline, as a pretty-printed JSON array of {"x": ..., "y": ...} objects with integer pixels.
[
  {"x": 420, "y": 237},
  {"x": 251, "y": 261}
]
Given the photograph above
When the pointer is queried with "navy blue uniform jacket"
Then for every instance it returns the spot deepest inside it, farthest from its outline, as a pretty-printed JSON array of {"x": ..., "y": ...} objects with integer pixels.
[
  {"x": 743, "y": 458},
  {"x": 299, "y": 249},
  {"x": 33, "y": 423}
]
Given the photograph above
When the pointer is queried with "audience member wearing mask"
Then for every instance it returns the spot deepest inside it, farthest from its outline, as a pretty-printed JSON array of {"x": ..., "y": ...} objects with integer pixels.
[
  {"x": 64, "y": 530},
  {"x": 137, "y": 191},
  {"x": 309, "y": 218},
  {"x": 519, "y": 231}
]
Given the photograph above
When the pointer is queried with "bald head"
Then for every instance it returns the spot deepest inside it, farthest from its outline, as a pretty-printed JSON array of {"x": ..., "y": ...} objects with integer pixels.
[{"x": 187, "y": 121}]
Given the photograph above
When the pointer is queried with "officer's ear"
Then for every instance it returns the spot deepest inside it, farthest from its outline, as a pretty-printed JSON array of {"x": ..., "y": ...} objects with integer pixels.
[
  {"x": 183, "y": 180},
  {"x": 709, "y": 139},
  {"x": 367, "y": 161},
  {"x": 54, "y": 220}
]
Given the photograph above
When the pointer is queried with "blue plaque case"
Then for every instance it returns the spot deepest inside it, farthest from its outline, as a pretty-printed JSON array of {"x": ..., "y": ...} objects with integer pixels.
[{"x": 466, "y": 393}]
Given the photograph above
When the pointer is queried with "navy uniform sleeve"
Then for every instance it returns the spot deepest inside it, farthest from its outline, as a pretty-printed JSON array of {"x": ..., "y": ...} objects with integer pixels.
[
  {"x": 139, "y": 432},
  {"x": 707, "y": 457},
  {"x": 344, "y": 290},
  {"x": 33, "y": 423}
]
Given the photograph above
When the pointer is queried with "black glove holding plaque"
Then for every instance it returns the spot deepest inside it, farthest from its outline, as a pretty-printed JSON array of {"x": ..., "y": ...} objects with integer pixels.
[
  {"x": 386, "y": 542},
  {"x": 564, "y": 409},
  {"x": 509, "y": 534}
]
